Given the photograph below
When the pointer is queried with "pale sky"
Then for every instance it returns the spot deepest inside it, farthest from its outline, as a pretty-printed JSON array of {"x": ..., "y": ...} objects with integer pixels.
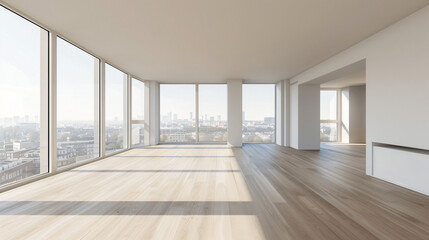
[
  {"x": 213, "y": 100},
  {"x": 19, "y": 66},
  {"x": 20, "y": 83},
  {"x": 328, "y": 105},
  {"x": 75, "y": 83},
  {"x": 178, "y": 99},
  {"x": 137, "y": 99},
  {"x": 258, "y": 101},
  {"x": 115, "y": 80}
]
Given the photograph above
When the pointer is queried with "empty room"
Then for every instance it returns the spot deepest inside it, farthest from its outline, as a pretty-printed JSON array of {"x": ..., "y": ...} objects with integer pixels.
[{"x": 229, "y": 119}]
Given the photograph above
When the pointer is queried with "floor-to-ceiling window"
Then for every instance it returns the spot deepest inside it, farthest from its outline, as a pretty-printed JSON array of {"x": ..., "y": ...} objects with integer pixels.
[
  {"x": 212, "y": 105},
  {"x": 77, "y": 105},
  {"x": 329, "y": 115},
  {"x": 258, "y": 113},
  {"x": 116, "y": 109},
  {"x": 138, "y": 109},
  {"x": 23, "y": 98},
  {"x": 177, "y": 113}
]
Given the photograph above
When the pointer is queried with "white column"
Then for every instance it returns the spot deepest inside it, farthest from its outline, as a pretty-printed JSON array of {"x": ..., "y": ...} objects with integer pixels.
[
  {"x": 235, "y": 109},
  {"x": 345, "y": 115},
  {"x": 305, "y": 117},
  {"x": 102, "y": 108},
  {"x": 353, "y": 118},
  {"x": 309, "y": 117},
  {"x": 127, "y": 111},
  {"x": 154, "y": 113},
  {"x": 97, "y": 142},
  {"x": 280, "y": 113},
  {"x": 197, "y": 113},
  {"x": 45, "y": 71},
  {"x": 286, "y": 112},
  {"x": 53, "y": 102},
  {"x": 147, "y": 114}
]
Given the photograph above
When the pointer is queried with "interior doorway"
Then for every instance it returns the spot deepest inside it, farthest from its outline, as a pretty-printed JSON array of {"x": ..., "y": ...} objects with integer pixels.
[{"x": 343, "y": 109}]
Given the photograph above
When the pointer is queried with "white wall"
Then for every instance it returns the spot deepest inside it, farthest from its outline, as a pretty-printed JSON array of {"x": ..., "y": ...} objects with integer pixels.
[
  {"x": 353, "y": 115},
  {"x": 397, "y": 83},
  {"x": 305, "y": 117},
  {"x": 309, "y": 117},
  {"x": 235, "y": 99},
  {"x": 413, "y": 175},
  {"x": 357, "y": 105}
]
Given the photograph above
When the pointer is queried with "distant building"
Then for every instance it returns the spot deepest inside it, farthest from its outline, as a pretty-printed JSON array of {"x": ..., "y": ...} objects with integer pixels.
[
  {"x": 16, "y": 154},
  {"x": 137, "y": 136},
  {"x": 269, "y": 120},
  {"x": 8, "y": 147},
  {"x": 178, "y": 136},
  {"x": 15, "y": 170},
  {"x": 81, "y": 149},
  {"x": 64, "y": 153},
  {"x": 17, "y": 146},
  {"x": 243, "y": 116}
]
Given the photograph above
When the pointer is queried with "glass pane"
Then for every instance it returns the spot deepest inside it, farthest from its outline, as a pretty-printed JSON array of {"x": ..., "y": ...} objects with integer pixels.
[
  {"x": 22, "y": 46},
  {"x": 138, "y": 99},
  {"x": 328, "y": 105},
  {"x": 116, "y": 120},
  {"x": 212, "y": 112},
  {"x": 137, "y": 135},
  {"x": 177, "y": 113},
  {"x": 77, "y": 105},
  {"x": 328, "y": 132},
  {"x": 258, "y": 113}
]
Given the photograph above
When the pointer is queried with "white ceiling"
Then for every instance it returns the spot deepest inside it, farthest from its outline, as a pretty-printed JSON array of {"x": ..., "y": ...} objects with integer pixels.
[
  {"x": 211, "y": 41},
  {"x": 355, "y": 79}
]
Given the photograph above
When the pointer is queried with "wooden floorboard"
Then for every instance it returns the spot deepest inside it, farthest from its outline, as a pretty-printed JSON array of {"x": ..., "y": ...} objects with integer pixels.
[{"x": 215, "y": 192}]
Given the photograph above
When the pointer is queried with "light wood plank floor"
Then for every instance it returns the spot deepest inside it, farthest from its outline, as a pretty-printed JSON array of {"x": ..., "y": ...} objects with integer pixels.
[{"x": 213, "y": 192}]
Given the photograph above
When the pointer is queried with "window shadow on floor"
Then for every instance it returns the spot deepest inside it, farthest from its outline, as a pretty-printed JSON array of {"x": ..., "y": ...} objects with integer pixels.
[
  {"x": 125, "y": 208},
  {"x": 161, "y": 171}
]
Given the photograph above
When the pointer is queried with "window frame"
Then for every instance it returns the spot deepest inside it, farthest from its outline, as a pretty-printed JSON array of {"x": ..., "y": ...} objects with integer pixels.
[
  {"x": 96, "y": 98},
  {"x": 275, "y": 112},
  {"x": 197, "y": 115},
  {"x": 338, "y": 120},
  {"x": 45, "y": 126},
  {"x": 49, "y": 106},
  {"x": 126, "y": 113},
  {"x": 133, "y": 122}
]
